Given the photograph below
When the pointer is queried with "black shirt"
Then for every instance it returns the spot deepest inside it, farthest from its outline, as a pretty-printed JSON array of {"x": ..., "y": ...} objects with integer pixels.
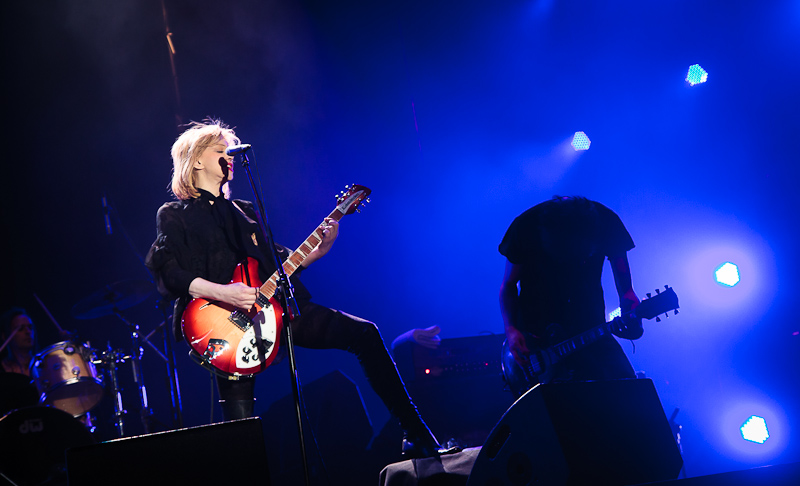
[
  {"x": 207, "y": 237},
  {"x": 561, "y": 248}
]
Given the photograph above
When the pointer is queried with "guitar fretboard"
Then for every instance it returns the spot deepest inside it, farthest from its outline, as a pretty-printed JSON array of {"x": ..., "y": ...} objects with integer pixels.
[
  {"x": 297, "y": 257},
  {"x": 584, "y": 339}
]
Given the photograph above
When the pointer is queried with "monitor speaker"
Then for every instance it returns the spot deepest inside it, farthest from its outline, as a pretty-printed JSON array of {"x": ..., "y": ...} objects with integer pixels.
[
  {"x": 609, "y": 432},
  {"x": 223, "y": 453}
]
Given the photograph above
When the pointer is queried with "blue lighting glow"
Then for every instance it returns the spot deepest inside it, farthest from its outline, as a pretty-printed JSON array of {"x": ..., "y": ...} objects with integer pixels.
[
  {"x": 755, "y": 429},
  {"x": 696, "y": 75},
  {"x": 727, "y": 274},
  {"x": 580, "y": 141}
]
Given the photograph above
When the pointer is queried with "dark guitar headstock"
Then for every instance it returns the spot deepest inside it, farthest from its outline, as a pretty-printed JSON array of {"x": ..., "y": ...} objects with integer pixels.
[{"x": 661, "y": 303}]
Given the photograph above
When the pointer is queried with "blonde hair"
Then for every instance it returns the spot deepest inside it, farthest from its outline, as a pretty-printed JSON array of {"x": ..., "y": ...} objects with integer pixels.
[{"x": 187, "y": 150}]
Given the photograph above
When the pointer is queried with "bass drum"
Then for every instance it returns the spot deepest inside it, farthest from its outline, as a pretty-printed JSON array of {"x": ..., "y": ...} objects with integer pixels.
[
  {"x": 34, "y": 442},
  {"x": 66, "y": 378}
]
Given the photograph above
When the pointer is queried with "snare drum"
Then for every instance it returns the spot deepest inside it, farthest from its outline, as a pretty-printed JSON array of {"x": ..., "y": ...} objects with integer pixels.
[{"x": 66, "y": 378}]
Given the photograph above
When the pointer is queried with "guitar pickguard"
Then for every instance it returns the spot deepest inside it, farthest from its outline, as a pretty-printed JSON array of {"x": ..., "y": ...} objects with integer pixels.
[{"x": 247, "y": 354}]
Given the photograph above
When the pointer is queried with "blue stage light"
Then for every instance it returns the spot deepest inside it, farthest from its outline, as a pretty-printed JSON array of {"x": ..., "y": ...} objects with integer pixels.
[
  {"x": 727, "y": 274},
  {"x": 696, "y": 75},
  {"x": 580, "y": 141},
  {"x": 755, "y": 429}
]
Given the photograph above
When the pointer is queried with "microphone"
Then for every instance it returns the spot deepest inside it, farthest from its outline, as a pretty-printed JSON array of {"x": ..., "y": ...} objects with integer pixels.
[
  {"x": 105, "y": 216},
  {"x": 237, "y": 149}
]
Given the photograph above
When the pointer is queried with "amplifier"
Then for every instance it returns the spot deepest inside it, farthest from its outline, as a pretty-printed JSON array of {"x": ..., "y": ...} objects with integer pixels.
[{"x": 459, "y": 357}]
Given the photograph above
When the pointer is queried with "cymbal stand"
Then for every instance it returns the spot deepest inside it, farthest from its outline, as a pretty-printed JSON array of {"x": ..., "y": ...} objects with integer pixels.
[
  {"x": 168, "y": 356},
  {"x": 108, "y": 360},
  {"x": 136, "y": 366}
]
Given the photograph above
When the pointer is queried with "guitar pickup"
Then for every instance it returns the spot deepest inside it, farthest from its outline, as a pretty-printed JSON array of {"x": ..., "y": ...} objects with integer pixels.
[
  {"x": 240, "y": 320},
  {"x": 262, "y": 301}
]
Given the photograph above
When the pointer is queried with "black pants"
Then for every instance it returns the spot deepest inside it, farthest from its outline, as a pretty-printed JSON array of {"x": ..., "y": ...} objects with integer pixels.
[{"x": 322, "y": 328}]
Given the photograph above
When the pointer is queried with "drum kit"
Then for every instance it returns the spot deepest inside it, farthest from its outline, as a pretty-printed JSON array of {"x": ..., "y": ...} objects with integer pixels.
[{"x": 57, "y": 413}]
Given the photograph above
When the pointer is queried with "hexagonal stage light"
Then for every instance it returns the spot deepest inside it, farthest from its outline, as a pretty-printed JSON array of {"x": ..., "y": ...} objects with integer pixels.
[
  {"x": 696, "y": 75},
  {"x": 580, "y": 141},
  {"x": 727, "y": 274},
  {"x": 755, "y": 429}
]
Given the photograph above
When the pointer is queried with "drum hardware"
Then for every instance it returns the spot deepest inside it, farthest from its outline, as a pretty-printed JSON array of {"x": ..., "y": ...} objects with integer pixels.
[
  {"x": 135, "y": 357},
  {"x": 112, "y": 300},
  {"x": 108, "y": 359}
]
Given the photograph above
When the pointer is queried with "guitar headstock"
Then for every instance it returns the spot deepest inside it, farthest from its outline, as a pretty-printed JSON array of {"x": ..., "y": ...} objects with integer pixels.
[
  {"x": 661, "y": 303},
  {"x": 351, "y": 199}
]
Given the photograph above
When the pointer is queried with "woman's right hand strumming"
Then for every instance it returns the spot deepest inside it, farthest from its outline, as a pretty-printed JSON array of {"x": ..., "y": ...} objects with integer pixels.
[{"x": 236, "y": 294}]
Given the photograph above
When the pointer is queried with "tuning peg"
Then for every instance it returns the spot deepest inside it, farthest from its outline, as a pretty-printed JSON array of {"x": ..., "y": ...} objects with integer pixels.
[
  {"x": 648, "y": 295},
  {"x": 658, "y": 291},
  {"x": 347, "y": 186},
  {"x": 367, "y": 200},
  {"x": 676, "y": 312},
  {"x": 658, "y": 319}
]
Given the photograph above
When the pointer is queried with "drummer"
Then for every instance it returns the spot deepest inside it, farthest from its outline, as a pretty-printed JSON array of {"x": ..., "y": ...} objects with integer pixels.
[{"x": 17, "y": 333}]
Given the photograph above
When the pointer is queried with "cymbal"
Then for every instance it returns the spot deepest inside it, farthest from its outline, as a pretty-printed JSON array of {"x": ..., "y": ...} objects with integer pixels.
[{"x": 114, "y": 297}]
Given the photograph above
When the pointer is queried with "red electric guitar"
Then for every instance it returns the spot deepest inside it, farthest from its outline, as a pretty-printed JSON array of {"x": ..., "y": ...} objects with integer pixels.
[{"x": 242, "y": 343}]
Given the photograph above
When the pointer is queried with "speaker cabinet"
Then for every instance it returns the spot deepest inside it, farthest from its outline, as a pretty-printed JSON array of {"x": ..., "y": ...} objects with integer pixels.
[
  {"x": 337, "y": 429},
  {"x": 224, "y": 453},
  {"x": 610, "y": 433}
]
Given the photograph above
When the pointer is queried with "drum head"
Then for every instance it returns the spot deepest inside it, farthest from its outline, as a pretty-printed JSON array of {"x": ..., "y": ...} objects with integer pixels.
[
  {"x": 16, "y": 391},
  {"x": 34, "y": 443},
  {"x": 75, "y": 396}
]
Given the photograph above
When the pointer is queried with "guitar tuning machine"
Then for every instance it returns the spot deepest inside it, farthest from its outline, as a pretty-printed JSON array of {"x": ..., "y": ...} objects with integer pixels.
[{"x": 648, "y": 295}]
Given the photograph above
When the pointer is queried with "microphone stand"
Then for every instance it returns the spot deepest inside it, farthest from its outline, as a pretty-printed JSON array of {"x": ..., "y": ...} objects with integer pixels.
[{"x": 290, "y": 309}]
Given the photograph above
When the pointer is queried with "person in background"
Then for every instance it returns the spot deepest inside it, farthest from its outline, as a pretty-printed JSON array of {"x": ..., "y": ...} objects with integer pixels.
[
  {"x": 17, "y": 334},
  {"x": 551, "y": 288}
]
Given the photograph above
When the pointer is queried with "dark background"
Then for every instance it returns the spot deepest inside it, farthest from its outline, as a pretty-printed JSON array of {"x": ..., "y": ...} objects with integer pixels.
[{"x": 458, "y": 115}]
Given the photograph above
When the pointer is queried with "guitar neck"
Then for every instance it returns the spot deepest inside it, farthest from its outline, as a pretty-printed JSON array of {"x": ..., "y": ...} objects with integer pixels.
[
  {"x": 565, "y": 348},
  {"x": 297, "y": 257}
]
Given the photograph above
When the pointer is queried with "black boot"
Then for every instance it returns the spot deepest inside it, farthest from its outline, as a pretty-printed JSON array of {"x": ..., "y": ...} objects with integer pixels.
[
  {"x": 381, "y": 372},
  {"x": 418, "y": 440},
  {"x": 237, "y": 409}
]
